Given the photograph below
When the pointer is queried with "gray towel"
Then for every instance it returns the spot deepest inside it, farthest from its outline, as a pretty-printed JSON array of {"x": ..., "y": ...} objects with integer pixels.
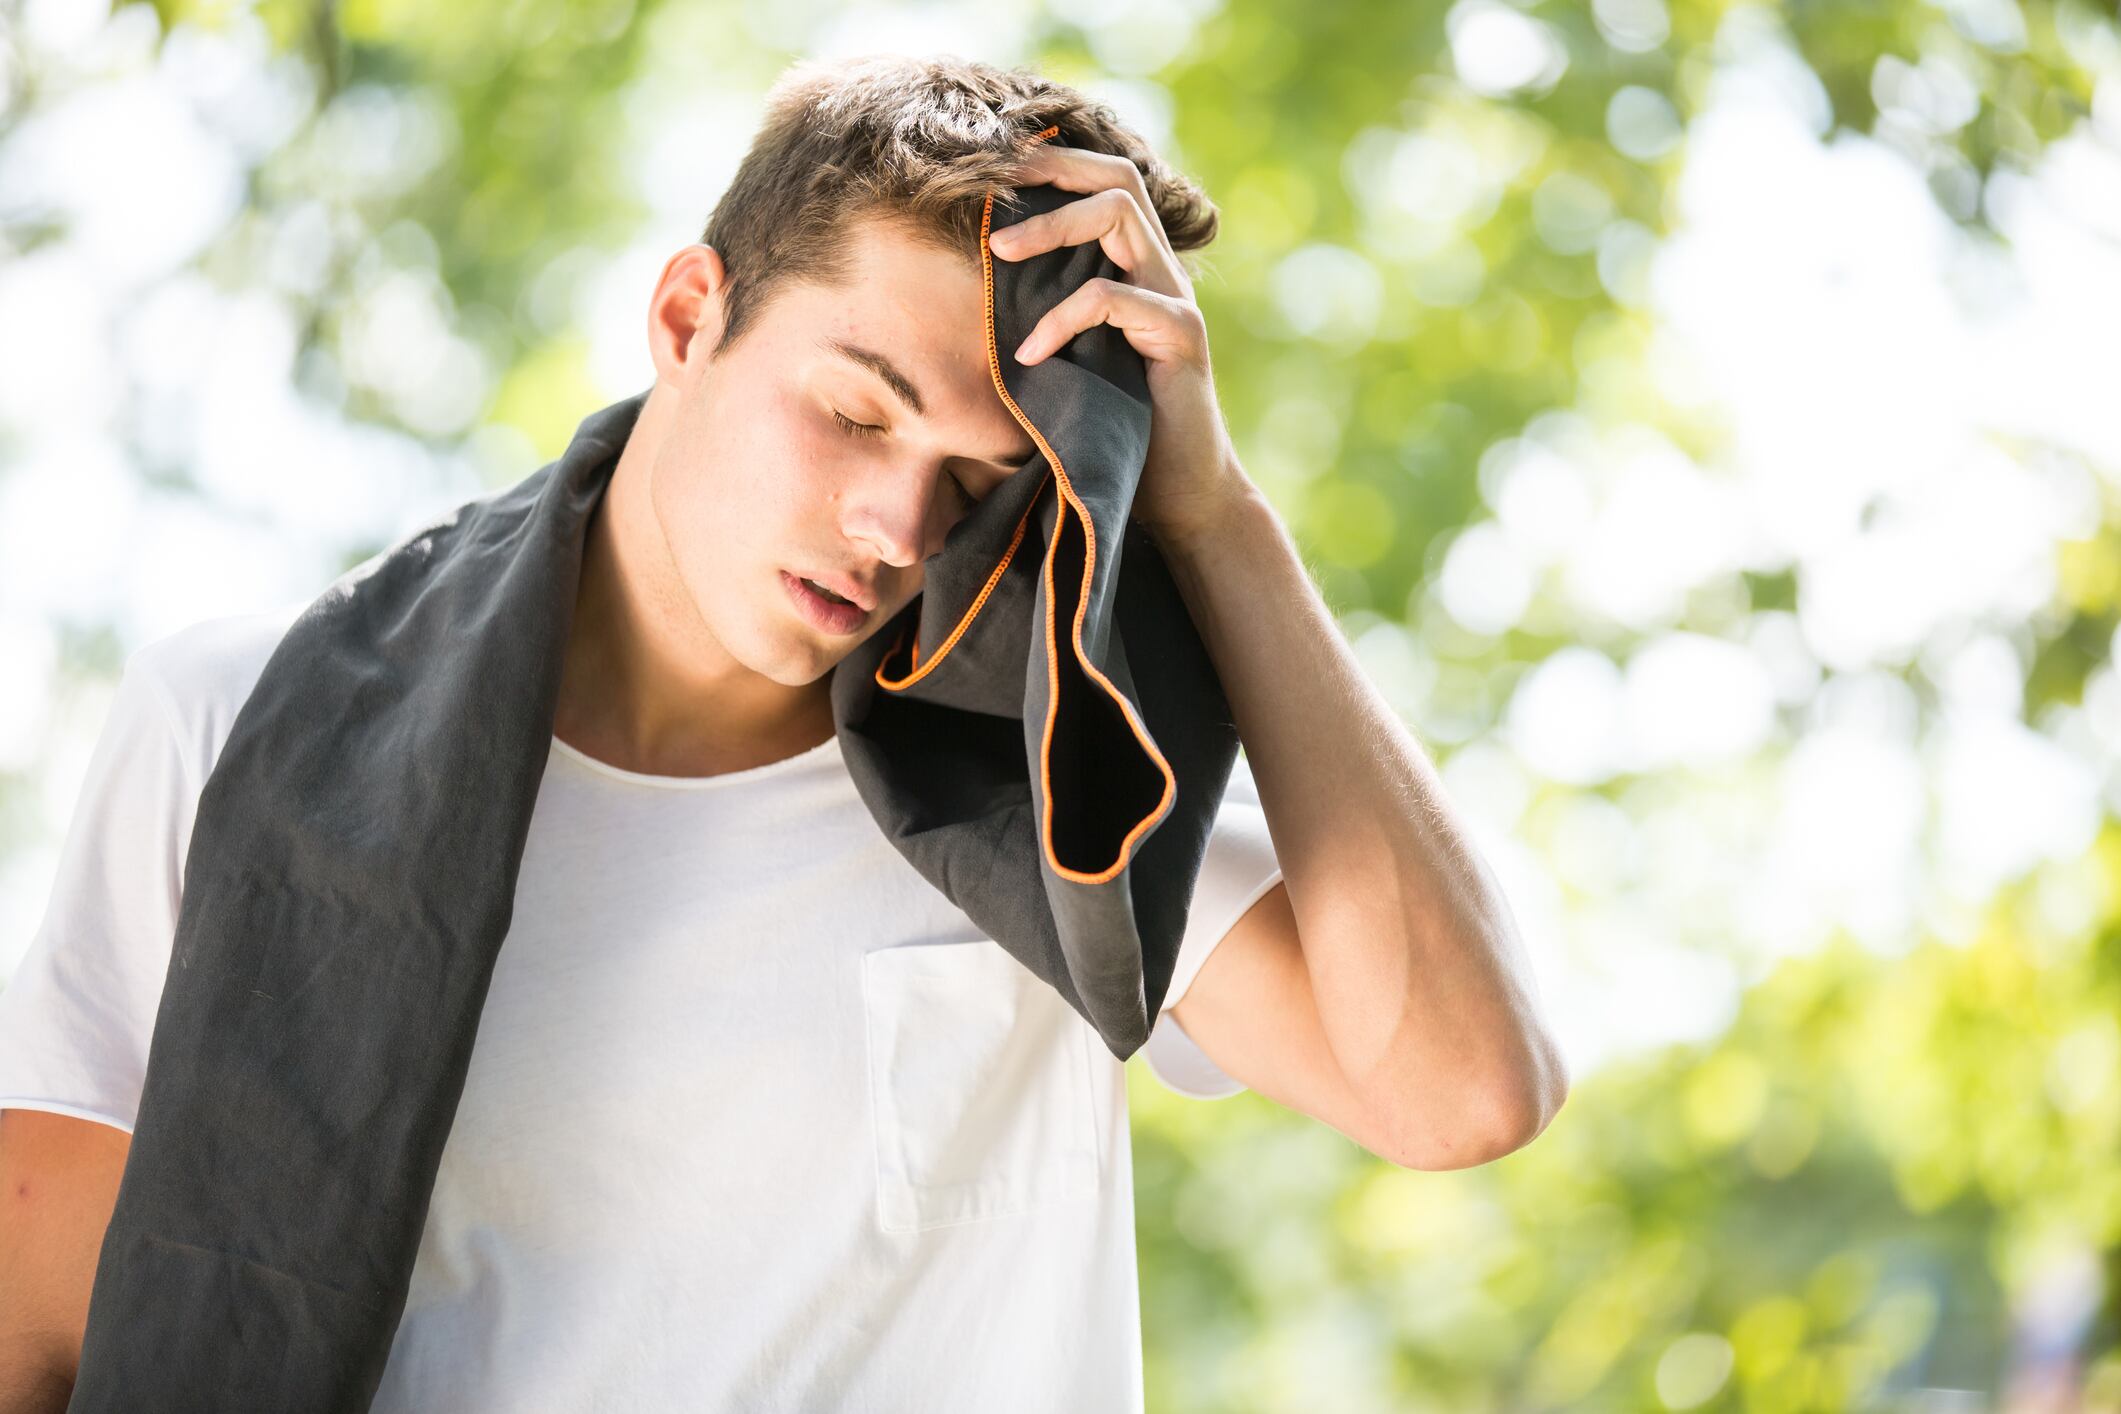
[{"x": 1040, "y": 733}]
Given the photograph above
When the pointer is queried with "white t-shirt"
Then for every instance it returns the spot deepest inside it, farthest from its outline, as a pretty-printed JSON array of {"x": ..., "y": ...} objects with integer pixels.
[{"x": 755, "y": 1118}]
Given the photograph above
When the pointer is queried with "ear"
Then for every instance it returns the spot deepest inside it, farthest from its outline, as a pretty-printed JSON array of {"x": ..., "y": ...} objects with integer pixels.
[{"x": 685, "y": 313}]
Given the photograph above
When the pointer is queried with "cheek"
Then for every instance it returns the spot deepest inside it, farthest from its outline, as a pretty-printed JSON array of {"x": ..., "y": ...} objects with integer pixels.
[
  {"x": 806, "y": 434},
  {"x": 808, "y": 471},
  {"x": 755, "y": 489}
]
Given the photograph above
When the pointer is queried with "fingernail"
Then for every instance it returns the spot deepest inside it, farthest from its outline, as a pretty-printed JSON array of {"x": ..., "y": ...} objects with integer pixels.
[{"x": 1023, "y": 349}]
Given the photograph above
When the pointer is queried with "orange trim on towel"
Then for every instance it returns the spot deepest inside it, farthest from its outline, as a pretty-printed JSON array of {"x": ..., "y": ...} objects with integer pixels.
[
  {"x": 916, "y": 669},
  {"x": 1082, "y": 604}
]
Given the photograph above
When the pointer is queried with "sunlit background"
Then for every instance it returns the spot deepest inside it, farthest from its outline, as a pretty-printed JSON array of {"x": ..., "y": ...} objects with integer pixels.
[{"x": 1704, "y": 418}]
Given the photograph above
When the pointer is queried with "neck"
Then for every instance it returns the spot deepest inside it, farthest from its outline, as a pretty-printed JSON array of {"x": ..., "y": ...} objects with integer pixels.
[{"x": 645, "y": 686}]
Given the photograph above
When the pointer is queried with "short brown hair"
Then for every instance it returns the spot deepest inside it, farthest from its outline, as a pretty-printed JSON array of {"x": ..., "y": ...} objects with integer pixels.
[{"x": 918, "y": 142}]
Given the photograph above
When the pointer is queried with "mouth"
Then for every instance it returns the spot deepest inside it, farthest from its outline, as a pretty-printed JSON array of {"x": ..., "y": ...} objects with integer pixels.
[{"x": 828, "y": 611}]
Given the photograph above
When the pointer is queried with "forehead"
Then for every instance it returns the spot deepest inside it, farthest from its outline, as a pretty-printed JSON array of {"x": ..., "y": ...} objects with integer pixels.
[{"x": 926, "y": 306}]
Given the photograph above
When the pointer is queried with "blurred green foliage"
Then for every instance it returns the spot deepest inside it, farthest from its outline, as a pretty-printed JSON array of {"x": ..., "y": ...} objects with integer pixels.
[
  {"x": 1825, "y": 1209},
  {"x": 1829, "y": 1207}
]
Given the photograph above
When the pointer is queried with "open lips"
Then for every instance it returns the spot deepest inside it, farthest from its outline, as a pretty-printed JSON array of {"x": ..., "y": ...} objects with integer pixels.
[
  {"x": 835, "y": 598},
  {"x": 840, "y": 588}
]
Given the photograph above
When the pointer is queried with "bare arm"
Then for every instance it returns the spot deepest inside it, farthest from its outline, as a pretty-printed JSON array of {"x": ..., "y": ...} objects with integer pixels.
[
  {"x": 1426, "y": 1004},
  {"x": 58, "y": 1184}
]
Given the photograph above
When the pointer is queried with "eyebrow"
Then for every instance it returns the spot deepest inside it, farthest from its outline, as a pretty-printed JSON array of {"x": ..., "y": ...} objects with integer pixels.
[{"x": 903, "y": 387}]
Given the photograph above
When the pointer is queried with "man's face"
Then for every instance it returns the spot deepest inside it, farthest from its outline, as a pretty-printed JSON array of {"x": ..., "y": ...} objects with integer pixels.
[{"x": 759, "y": 476}]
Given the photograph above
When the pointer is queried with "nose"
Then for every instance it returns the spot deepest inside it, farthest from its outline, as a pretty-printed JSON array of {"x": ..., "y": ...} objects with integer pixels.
[{"x": 899, "y": 513}]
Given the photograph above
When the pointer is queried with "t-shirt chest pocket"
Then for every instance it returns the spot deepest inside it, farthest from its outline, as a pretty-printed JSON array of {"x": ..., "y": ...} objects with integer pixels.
[{"x": 979, "y": 1086}]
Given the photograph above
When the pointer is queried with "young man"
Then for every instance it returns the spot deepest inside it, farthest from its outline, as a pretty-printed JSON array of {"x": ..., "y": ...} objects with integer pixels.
[{"x": 755, "y": 1118}]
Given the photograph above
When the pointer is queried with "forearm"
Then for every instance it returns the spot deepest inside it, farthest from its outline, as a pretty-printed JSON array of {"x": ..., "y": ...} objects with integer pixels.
[{"x": 1422, "y": 983}]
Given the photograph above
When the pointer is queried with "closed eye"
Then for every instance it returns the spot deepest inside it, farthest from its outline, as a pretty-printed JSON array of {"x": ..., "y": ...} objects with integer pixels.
[
  {"x": 860, "y": 429},
  {"x": 864, "y": 429}
]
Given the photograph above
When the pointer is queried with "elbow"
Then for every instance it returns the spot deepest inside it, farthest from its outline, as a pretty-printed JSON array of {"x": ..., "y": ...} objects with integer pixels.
[
  {"x": 1542, "y": 1087},
  {"x": 1489, "y": 1120},
  {"x": 1534, "y": 1093}
]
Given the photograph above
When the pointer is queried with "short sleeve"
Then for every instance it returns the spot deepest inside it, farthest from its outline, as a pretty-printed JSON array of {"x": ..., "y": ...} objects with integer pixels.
[
  {"x": 77, "y": 1015},
  {"x": 1238, "y": 868}
]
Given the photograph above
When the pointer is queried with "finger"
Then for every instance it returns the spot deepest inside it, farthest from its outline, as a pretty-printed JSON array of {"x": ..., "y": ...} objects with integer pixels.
[
  {"x": 1081, "y": 169},
  {"x": 1113, "y": 219},
  {"x": 1158, "y": 326}
]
